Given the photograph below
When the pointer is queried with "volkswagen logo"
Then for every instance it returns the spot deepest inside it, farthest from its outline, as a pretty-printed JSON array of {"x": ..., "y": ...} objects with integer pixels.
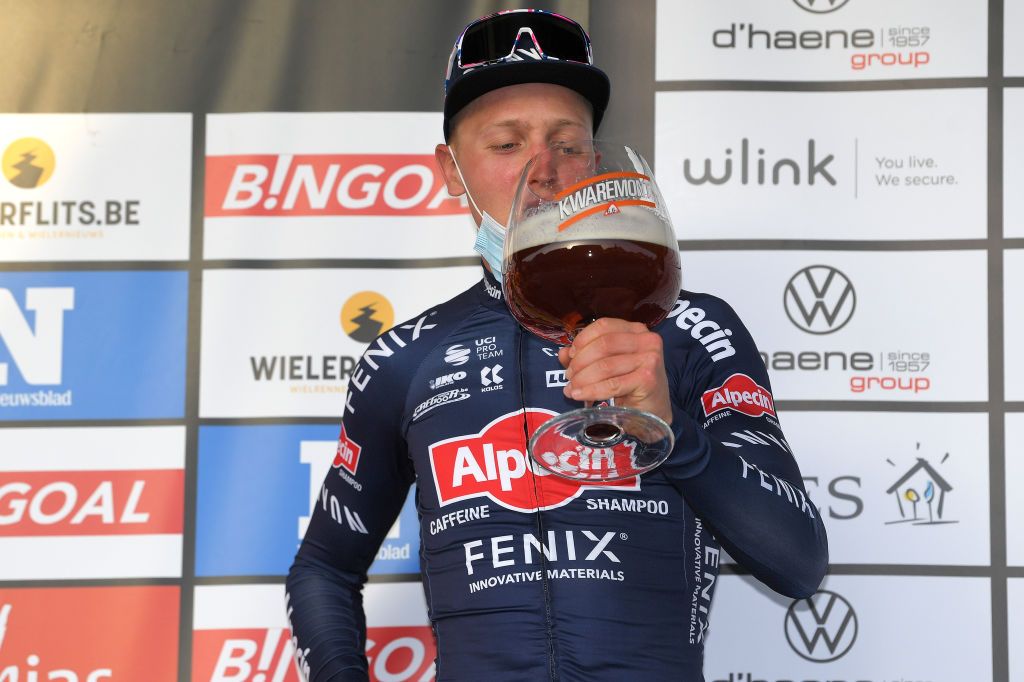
[
  {"x": 820, "y": 6},
  {"x": 821, "y": 628},
  {"x": 819, "y": 299}
]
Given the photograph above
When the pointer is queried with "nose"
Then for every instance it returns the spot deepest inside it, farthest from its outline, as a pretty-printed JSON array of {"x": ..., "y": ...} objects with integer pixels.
[{"x": 542, "y": 173}]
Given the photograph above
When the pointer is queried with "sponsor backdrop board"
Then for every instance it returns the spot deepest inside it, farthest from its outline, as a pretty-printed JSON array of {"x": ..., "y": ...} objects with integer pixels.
[
  {"x": 257, "y": 485},
  {"x": 111, "y": 497},
  {"x": 80, "y": 187},
  {"x": 810, "y": 165},
  {"x": 854, "y": 628},
  {"x": 897, "y": 488},
  {"x": 841, "y": 325},
  {"x": 823, "y": 40},
  {"x": 89, "y": 633},
  {"x": 284, "y": 342},
  {"x": 833, "y": 153},
  {"x": 1014, "y": 476},
  {"x": 329, "y": 185},
  {"x": 92, "y": 345},
  {"x": 242, "y": 630},
  {"x": 1013, "y": 321}
]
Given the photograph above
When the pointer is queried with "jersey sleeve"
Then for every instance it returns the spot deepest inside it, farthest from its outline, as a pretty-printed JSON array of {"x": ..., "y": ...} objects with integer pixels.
[
  {"x": 359, "y": 501},
  {"x": 732, "y": 462}
]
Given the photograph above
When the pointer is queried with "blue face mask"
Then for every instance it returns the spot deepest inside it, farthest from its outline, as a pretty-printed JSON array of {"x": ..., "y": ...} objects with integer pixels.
[{"x": 490, "y": 236}]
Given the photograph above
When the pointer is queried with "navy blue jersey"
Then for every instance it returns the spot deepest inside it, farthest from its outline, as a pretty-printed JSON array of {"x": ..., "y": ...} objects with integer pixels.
[{"x": 529, "y": 576}]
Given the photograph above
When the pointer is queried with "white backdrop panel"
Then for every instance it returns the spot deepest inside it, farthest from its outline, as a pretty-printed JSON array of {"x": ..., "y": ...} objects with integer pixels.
[
  {"x": 274, "y": 342},
  {"x": 109, "y": 187},
  {"x": 903, "y": 628},
  {"x": 861, "y": 467},
  {"x": 329, "y": 185},
  {"x": 916, "y": 320},
  {"x": 823, "y": 165},
  {"x": 807, "y": 41}
]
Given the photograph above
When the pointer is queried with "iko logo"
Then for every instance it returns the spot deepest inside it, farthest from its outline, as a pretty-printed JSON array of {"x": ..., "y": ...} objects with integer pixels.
[
  {"x": 820, "y": 6},
  {"x": 490, "y": 375},
  {"x": 825, "y": 616},
  {"x": 447, "y": 379},
  {"x": 456, "y": 355},
  {"x": 820, "y": 299},
  {"x": 555, "y": 377},
  {"x": 38, "y": 352},
  {"x": 922, "y": 477}
]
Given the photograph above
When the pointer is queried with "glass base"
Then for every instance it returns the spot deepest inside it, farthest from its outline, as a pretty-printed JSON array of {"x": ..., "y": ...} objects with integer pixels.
[{"x": 604, "y": 443}]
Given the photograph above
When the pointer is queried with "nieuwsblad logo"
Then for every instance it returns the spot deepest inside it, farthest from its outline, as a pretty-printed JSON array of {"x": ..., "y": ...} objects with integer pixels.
[
  {"x": 38, "y": 351},
  {"x": 493, "y": 464},
  {"x": 819, "y": 299},
  {"x": 28, "y": 163},
  {"x": 820, "y": 6},
  {"x": 366, "y": 315},
  {"x": 327, "y": 185},
  {"x": 821, "y": 628}
]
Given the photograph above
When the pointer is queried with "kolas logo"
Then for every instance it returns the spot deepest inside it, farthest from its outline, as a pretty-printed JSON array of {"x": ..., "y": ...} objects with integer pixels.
[
  {"x": 825, "y": 617},
  {"x": 820, "y": 6},
  {"x": 366, "y": 315},
  {"x": 493, "y": 464},
  {"x": 28, "y": 163},
  {"x": 327, "y": 185},
  {"x": 740, "y": 393},
  {"x": 819, "y": 299},
  {"x": 921, "y": 483},
  {"x": 76, "y": 634}
]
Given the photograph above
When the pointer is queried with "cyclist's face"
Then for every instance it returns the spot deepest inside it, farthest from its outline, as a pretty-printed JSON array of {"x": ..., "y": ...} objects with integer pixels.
[{"x": 497, "y": 133}]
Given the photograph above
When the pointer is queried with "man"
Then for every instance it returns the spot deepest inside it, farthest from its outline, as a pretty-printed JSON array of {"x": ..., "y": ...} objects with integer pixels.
[{"x": 527, "y": 576}]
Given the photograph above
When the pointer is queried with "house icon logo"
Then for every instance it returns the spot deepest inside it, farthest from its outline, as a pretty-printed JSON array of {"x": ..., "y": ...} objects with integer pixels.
[{"x": 921, "y": 494}]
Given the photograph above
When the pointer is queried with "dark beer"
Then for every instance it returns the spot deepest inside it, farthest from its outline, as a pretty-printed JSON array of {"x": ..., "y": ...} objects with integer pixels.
[{"x": 556, "y": 289}]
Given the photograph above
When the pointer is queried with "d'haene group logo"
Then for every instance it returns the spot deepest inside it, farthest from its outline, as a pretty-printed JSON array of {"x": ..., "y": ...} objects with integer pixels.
[
  {"x": 821, "y": 628},
  {"x": 820, "y": 6},
  {"x": 28, "y": 163},
  {"x": 819, "y": 299},
  {"x": 366, "y": 315}
]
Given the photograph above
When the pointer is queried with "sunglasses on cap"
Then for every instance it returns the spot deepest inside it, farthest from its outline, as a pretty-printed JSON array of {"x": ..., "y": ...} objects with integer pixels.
[{"x": 499, "y": 37}]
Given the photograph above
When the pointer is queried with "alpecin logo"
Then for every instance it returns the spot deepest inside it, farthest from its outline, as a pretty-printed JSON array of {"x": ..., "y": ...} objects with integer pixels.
[
  {"x": 824, "y": 618},
  {"x": 493, "y": 464},
  {"x": 347, "y": 454},
  {"x": 740, "y": 393},
  {"x": 819, "y": 299}
]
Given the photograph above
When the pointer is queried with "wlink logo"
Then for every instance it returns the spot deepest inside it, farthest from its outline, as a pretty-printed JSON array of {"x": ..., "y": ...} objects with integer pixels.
[
  {"x": 756, "y": 166},
  {"x": 821, "y": 628},
  {"x": 820, "y": 299}
]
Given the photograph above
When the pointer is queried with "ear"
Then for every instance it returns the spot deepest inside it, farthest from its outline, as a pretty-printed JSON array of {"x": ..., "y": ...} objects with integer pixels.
[{"x": 446, "y": 163}]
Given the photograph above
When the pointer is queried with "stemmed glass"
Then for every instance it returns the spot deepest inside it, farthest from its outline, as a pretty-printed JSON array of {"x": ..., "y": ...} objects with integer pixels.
[{"x": 589, "y": 237}]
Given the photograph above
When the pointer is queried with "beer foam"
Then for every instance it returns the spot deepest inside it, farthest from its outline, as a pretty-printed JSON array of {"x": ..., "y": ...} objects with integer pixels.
[{"x": 637, "y": 223}]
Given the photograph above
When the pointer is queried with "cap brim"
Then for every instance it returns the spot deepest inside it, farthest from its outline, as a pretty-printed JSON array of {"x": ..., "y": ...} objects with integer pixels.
[{"x": 588, "y": 81}]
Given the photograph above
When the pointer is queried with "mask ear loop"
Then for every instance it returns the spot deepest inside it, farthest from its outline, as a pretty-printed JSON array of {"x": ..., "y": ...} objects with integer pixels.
[{"x": 462, "y": 179}]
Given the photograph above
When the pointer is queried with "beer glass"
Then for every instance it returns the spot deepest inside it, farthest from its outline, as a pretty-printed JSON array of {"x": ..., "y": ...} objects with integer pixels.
[{"x": 589, "y": 237}]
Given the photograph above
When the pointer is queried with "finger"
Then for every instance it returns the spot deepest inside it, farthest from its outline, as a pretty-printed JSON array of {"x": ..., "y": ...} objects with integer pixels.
[
  {"x": 602, "y": 326},
  {"x": 563, "y": 356},
  {"x": 630, "y": 388},
  {"x": 616, "y": 343},
  {"x": 603, "y": 369}
]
